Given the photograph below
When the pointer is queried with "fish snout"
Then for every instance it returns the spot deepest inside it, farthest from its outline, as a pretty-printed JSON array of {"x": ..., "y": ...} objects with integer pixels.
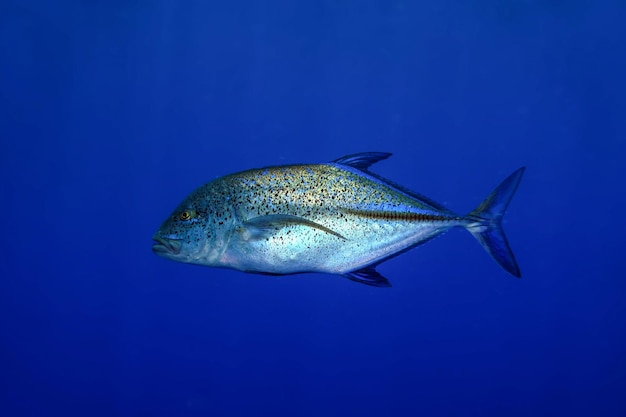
[{"x": 166, "y": 246}]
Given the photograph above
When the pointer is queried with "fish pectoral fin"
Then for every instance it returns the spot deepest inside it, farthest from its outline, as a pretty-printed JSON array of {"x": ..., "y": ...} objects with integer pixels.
[
  {"x": 263, "y": 226},
  {"x": 368, "y": 276},
  {"x": 363, "y": 160}
]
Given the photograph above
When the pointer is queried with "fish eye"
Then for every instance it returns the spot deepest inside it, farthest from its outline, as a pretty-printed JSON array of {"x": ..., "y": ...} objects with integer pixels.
[{"x": 187, "y": 215}]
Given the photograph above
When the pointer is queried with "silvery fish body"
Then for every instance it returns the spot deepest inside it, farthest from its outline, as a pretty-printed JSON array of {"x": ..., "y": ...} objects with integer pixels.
[{"x": 336, "y": 218}]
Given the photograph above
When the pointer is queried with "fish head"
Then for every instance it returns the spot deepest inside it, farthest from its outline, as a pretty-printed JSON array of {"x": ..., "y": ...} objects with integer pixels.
[{"x": 188, "y": 235}]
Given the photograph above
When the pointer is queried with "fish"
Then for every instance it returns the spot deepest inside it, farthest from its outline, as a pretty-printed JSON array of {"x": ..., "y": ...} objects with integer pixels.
[{"x": 337, "y": 218}]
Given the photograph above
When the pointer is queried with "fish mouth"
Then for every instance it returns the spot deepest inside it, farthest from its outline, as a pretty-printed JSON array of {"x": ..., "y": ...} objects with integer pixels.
[{"x": 166, "y": 246}]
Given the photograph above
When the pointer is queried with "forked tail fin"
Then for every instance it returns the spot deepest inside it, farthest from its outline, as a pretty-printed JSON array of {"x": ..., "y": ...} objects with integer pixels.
[{"x": 486, "y": 223}]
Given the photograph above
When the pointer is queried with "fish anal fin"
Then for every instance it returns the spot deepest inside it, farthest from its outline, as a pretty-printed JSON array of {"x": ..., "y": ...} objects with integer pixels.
[
  {"x": 368, "y": 276},
  {"x": 263, "y": 226},
  {"x": 363, "y": 160}
]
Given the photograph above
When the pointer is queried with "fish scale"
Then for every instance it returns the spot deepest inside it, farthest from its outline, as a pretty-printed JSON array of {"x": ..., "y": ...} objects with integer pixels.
[{"x": 336, "y": 218}]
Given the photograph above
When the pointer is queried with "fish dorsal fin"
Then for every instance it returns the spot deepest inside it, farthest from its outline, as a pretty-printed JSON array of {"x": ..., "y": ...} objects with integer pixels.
[
  {"x": 263, "y": 226},
  {"x": 411, "y": 193},
  {"x": 363, "y": 160},
  {"x": 368, "y": 276}
]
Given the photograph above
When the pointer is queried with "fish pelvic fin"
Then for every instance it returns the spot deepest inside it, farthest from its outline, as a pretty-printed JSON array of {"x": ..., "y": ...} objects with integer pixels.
[{"x": 485, "y": 223}]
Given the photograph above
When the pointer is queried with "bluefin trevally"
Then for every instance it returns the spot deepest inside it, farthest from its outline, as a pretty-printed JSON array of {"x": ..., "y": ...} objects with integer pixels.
[{"x": 337, "y": 218}]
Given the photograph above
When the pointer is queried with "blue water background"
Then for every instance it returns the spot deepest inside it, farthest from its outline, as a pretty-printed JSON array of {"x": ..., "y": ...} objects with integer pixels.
[{"x": 112, "y": 111}]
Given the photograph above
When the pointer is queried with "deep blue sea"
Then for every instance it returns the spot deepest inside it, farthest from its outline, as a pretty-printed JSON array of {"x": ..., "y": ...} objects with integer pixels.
[{"x": 111, "y": 112}]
